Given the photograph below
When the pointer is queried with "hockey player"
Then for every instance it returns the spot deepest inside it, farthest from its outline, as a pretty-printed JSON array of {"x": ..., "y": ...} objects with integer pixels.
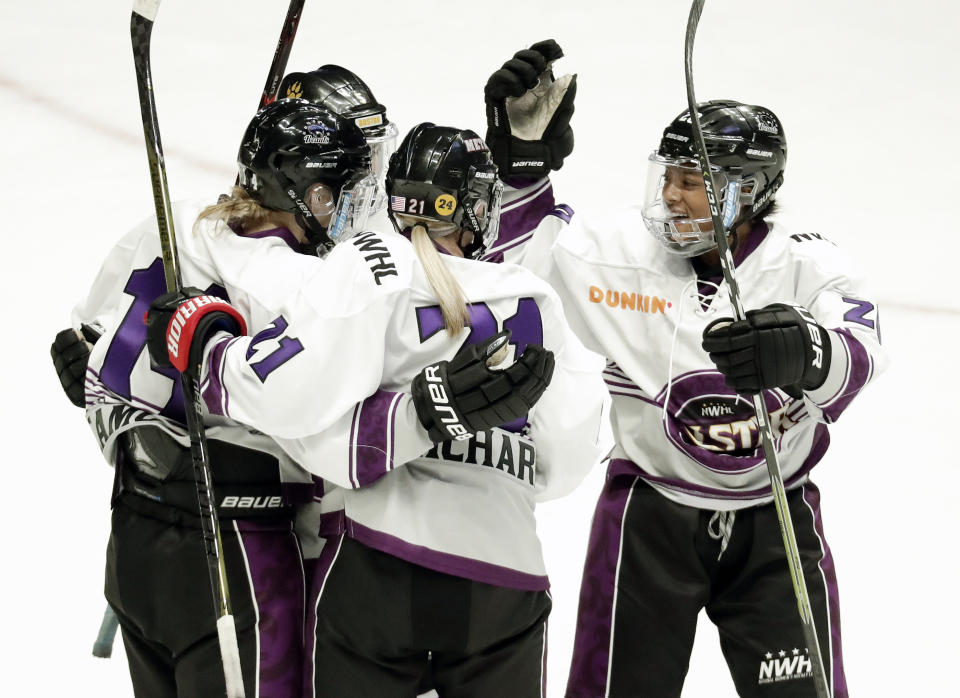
[
  {"x": 434, "y": 566},
  {"x": 685, "y": 521},
  {"x": 156, "y": 576}
]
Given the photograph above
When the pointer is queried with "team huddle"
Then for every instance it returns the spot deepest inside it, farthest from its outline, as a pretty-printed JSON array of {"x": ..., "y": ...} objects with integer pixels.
[{"x": 404, "y": 344}]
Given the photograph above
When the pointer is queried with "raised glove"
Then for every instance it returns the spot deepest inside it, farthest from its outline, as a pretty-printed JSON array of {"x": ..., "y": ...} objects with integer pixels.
[
  {"x": 70, "y": 352},
  {"x": 779, "y": 346},
  {"x": 180, "y": 322},
  {"x": 528, "y": 113},
  {"x": 455, "y": 399}
]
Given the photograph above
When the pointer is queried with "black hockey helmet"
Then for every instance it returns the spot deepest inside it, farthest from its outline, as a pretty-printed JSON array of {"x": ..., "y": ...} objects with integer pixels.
[
  {"x": 445, "y": 178},
  {"x": 748, "y": 154},
  {"x": 290, "y": 147},
  {"x": 340, "y": 91},
  {"x": 344, "y": 93}
]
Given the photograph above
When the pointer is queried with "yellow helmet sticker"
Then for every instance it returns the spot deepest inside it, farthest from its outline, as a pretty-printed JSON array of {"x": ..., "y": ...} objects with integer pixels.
[
  {"x": 295, "y": 91},
  {"x": 445, "y": 205}
]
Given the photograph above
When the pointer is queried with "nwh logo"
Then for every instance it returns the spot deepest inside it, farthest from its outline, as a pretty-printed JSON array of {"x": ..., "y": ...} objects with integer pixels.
[
  {"x": 715, "y": 410},
  {"x": 785, "y": 668}
]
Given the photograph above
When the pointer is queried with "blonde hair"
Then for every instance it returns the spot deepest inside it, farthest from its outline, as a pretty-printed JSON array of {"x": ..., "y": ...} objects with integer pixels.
[
  {"x": 449, "y": 293},
  {"x": 237, "y": 208}
]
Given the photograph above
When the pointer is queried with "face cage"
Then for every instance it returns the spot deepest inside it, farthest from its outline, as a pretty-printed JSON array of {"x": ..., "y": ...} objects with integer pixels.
[
  {"x": 485, "y": 197},
  {"x": 382, "y": 146},
  {"x": 687, "y": 237},
  {"x": 354, "y": 206}
]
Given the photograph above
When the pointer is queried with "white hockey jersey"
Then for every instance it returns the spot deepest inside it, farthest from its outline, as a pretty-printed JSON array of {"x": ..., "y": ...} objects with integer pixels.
[
  {"x": 123, "y": 390},
  {"x": 676, "y": 423},
  {"x": 367, "y": 325}
]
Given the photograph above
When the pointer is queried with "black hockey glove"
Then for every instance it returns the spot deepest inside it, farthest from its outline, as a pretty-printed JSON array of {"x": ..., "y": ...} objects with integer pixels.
[
  {"x": 179, "y": 323},
  {"x": 70, "y": 352},
  {"x": 528, "y": 113},
  {"x": 779, "y": 346},
  {"x": 455, "y": 399}
]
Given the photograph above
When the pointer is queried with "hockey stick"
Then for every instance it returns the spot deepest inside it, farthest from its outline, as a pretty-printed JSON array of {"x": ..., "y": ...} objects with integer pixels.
[
  {"x": 763, "y": 418},
  {"x": 103, "y": 645},
  {"x": 280, "y": 56},
  {"x": 141, "y": 27}
]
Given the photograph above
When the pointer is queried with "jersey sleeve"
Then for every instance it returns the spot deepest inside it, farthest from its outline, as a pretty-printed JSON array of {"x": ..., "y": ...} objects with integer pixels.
[
  {"x": 322, "y": 352},
  {"x": 379, "y": 434},
  {"x": 570, "y": 424},
  {"x": 529, "y": 215},
  {"x": 832, "y": 288}
]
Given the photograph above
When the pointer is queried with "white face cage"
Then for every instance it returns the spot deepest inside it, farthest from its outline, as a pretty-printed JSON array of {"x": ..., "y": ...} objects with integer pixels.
[
  {"x": 382, "y": 146},
  {"x": 678, "y": 232},
  {"x": 354, "y": 206}
]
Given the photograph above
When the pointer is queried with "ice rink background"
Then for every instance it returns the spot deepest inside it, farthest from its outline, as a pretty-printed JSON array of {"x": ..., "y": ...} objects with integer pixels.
[{"x": 867, "y": 93}]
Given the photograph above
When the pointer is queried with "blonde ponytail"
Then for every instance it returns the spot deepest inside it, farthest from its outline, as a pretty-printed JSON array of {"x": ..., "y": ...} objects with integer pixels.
[
  {"x": 449, "y": 293},
  {"x": 238, "y": 208}
]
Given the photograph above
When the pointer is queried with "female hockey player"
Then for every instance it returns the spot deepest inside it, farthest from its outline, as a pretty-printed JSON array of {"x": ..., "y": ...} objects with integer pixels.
[
  {"x": 685, "y": 521},
  {"x": 156, "y": 577},
  {"x": 433, "y": 567},
  {"x": 248, "y": 467}
]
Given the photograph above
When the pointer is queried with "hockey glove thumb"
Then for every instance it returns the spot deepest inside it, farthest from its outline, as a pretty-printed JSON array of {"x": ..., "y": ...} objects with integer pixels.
[
  {"x": 778, "y": 346},
  {"x": 70, "y": 352},
  {"x": 180, "y": 322},
  {"x": 455, "y": 399},
  {"x": 529, "y": 112}
]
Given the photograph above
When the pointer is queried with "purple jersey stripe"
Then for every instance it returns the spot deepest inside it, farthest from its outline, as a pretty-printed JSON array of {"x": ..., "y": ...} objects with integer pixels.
[
  {"x": 811, "y": 496},
  {"x": 374, "y": 436},
  {"x": 591, "y": 645},
  {"x": 459, "y": 566},
  {"x": 213, "y": 392},
  {"x": 859, "y": 370},
  {"x": 525, "y": 216},
  {"x": 563, "y": 212},
  {"x": 821, "y": 440},
  {"x": 277, "y": 584}
]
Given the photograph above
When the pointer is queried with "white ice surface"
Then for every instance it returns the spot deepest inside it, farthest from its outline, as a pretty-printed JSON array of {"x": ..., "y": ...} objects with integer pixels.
[{"x": 867, "y": 91}]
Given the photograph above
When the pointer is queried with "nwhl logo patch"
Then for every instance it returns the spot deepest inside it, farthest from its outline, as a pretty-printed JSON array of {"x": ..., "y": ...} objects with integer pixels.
[{"x": 785, "y": 666}]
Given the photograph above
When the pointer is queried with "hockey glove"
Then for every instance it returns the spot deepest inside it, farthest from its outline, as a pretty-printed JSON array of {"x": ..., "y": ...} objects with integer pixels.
[
  {"x": 70, "y": 352},
  {"x": 528, "y": 113},
  {"x": 779, "y": 346},
  {"x": 179, "y": 323},
  {"x": 455, "y": 399}
]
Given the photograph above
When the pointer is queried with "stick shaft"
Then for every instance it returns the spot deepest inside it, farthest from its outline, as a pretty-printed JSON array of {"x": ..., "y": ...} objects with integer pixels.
[
  {"x": 141, "y": 29},
  {"x": 787, "y": 530}
]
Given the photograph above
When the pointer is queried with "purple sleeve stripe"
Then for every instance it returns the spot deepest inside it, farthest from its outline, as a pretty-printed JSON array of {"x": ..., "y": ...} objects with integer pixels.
[
  {"x": 374, "y": 435},
  {"x": 521, "y": 219},
  {"x": 352, "y": 458},
  {"x": 529, "y": 196},
  {"x": 213, "y": 391},
  {"x": 859, "y": 371},
  {"x": 563, "y": 212},
  {"x": 500, "y": 249},
  {"x": 459, "y": 566}
]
